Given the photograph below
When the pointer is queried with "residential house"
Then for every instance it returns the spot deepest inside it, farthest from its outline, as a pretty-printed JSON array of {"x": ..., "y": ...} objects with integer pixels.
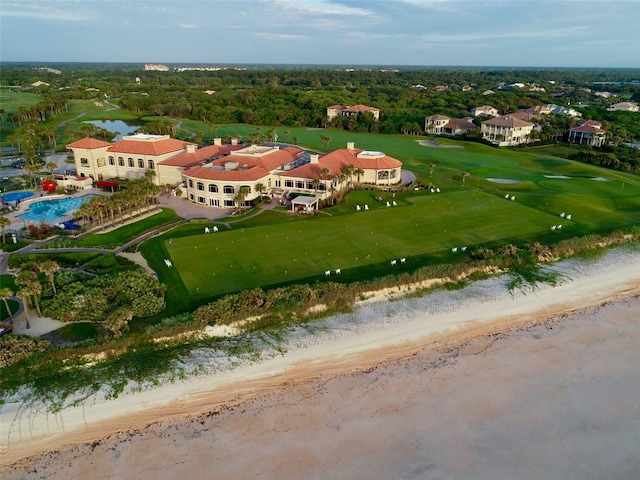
[
  {"x": 624, "y": 107},
  {"x": 484, "y": 110},
  {"x": 506, "y": 130},
  {"x": 443, "y": 125},
  {"x": 589, "y": 132},
  {"x": 351, "y": 111}
]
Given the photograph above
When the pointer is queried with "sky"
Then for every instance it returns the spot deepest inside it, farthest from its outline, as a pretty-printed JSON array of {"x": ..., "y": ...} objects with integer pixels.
[{"x": 534, "y": 33}]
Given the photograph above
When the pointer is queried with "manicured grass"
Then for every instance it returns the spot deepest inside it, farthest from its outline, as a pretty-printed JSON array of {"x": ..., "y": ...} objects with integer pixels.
[
  {"x": 277, "y": 248},
  {"x": 123, "y": 234},
  {"x": 7, "y": 281},
  {"x": 210, "y": 265}
]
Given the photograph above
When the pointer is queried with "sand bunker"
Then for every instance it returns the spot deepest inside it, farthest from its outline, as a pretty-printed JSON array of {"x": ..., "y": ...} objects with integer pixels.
[
  {"x": 434, "y": 144},
  {"x": 558, "y": 177},
  {"x": 601, "y": 179},
  {"x": 504, "y": 180}
]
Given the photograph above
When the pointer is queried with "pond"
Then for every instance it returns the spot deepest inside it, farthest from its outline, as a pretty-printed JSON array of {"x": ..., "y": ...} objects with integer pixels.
[{"x": 120, "y": 127}]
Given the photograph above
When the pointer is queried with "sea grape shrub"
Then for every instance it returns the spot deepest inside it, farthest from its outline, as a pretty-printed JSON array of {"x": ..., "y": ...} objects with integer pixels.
[
  {"x": 14, "y": 348},
  {"x": 99, "y": 299}
]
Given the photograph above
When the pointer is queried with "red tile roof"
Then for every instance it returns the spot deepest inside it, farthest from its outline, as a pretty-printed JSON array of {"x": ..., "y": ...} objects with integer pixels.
[
  {"x": 338, "y": 160},
  {"x": 249, "y": 167},
  {"x": 253, "y": 173},
  {"x": 89, "y": 144},
  {"x": 361, "y": 108},
  {"x": 199, "y": 156},
  {"x": 587, "y": 129},
  {"x": 144, "y": 147}
]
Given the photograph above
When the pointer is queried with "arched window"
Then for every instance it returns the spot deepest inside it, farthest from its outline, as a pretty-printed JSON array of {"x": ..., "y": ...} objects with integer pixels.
[
  {"x": 190, "y": 183},
  {"x": 112, "y": 161},
  {"x": 247, "y": 188},
  {"x": 140, "y": 163},
  {"x": 213, "y": 188},
  {"x": 120, "y": 161},
  {"x": 200, "y": 186},
  {"x": 229, "y": 189},
  {"x": 84, "y": 161},
  {"x": 130, "y": 162},
  {"x": 151, "y": 164}
]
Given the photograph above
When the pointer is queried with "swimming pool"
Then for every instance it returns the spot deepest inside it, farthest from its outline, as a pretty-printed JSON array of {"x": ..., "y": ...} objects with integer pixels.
[
  {"x": 51, "y": 210},
  {"x": 15, "y": 196}
]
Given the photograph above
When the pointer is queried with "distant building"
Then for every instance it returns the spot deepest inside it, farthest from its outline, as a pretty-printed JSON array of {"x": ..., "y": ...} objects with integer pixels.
[
  {"x": 443, "y": 125},
  {"x": 351, "y": 111},
  {"x": 485, "y": 110},
  {"x": 624, "y": 107},
  {"x": 506, "y": 130},
  {"x": 40, "y": 84},
  {"x": 155, "y": 67},
  {"x": 589, "y": 132}
]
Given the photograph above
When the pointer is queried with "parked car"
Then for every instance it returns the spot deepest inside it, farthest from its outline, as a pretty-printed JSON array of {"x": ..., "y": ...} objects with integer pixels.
[{"x": 19, "y": 164}]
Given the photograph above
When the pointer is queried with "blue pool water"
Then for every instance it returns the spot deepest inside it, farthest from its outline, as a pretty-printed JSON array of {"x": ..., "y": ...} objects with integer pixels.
[
  {"x": 15, "y": 196},
  {"x": 48, "y": 211}
]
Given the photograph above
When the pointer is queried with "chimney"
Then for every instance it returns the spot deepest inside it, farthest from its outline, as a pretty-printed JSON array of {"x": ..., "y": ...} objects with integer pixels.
[
  {"x": 351, "y": 145},
  {"x": 191, "y": 147},
  {"x": 314, "y": 157},
  {"x": 234, "y": 141},
  {"x": 217, "y": 141}
]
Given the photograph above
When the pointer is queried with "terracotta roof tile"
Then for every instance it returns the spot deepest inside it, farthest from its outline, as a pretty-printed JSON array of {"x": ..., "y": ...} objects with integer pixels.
[
  {"x": 156, "y": 147},
  {"x": 89, "y": 144},
  {"x": 249, "y": 167},
  {"x": 199, "y": 156}
]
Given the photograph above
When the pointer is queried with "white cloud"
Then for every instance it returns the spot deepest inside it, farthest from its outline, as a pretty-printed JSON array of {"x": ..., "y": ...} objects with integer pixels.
[
  {"x": 44, "y": 10},
  {"x": 188, "y": 25},
  {"x": 322, "y": 7},
  {"x": 279, "y": 36}
]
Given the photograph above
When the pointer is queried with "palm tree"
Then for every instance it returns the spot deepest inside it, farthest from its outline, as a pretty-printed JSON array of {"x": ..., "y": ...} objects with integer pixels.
[
  {"x": 23, "y": 296},
  {"x": 431, "y": 167},
  {"x": 51, "y": 166},
  {"x": 260, "y": 188},
  {"x": 240, "y": 197},
  {"x": 349, "y": 169},
  {"x": 316, "y": 183},
  {"x": 49, "y": 267},
  {"x": 5, "y": 295},
  {"x": 464, "y": 175},
  {"x": 4, "y": 222},
  {"x": 358, "y": 172}
]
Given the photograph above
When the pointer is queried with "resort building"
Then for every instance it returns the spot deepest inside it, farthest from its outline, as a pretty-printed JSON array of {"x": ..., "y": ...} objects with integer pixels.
[
  {"x": 588, "y": 133},
  {"x": 506, "y": 130},
  {"x": 351, "y": 111},
  {"x": 129, "y": 158},
  {"x": 213, "y": 176}
]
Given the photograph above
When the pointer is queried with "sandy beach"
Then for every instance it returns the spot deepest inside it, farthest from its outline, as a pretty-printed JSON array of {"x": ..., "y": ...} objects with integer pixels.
[{"x": 474, "y": 383}]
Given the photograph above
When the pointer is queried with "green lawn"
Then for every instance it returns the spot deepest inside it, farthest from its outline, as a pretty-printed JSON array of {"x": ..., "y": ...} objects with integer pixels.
[
  {"x": 231, "y": 260},
  {"x": 277, "y": 248}
]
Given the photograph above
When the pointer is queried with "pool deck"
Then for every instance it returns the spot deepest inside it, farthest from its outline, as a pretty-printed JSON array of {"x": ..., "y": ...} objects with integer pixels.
[{"x": 23, "y": 207}]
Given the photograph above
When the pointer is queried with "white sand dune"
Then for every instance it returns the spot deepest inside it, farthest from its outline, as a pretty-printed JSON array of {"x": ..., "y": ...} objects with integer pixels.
[{"x": 475, "y": 383}]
